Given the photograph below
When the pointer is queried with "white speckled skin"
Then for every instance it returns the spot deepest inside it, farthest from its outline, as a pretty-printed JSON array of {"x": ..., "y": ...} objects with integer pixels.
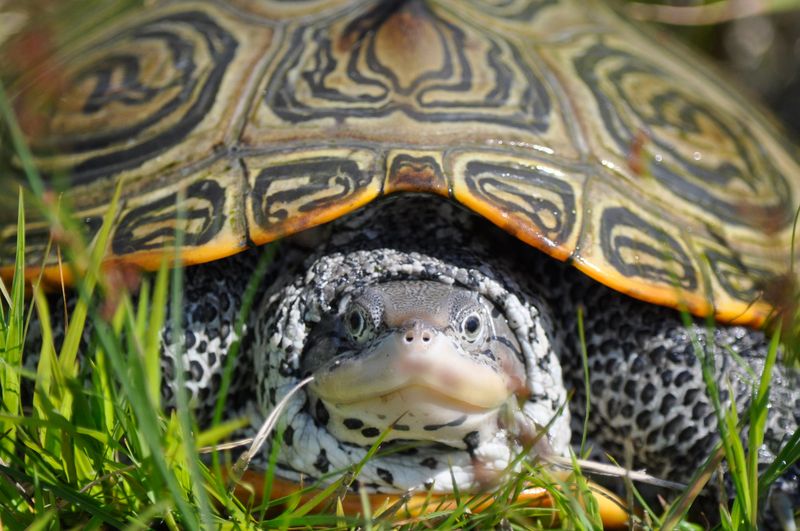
[
  {"x": 646, "y": 386},
  {"x": 315, "y": 295}
]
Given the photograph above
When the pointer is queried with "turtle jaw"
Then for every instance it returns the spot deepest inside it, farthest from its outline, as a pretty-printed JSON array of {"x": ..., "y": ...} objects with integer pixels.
[
  {"x": 416, "y": 381},
  {"x": 402, "y": 360}
]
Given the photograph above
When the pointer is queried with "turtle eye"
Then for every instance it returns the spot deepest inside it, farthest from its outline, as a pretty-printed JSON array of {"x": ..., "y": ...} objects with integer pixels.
[
  {"x": 472, "y": 326},
  {"x": 358, "y": 324}
]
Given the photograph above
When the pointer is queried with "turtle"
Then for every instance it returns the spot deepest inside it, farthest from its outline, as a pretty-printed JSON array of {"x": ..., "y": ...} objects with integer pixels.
[{"x": 457, "y": 184}]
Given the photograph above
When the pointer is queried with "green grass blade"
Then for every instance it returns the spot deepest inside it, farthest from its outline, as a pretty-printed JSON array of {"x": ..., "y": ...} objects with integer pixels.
[{"x": 12, "y": 337}]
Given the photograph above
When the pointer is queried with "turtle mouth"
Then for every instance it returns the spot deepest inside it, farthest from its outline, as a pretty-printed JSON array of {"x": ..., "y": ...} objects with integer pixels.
[{"x": 392, "y": 368}]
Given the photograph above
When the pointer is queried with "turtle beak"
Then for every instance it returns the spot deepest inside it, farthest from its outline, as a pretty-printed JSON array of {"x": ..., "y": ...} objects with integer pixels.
[{"x": 415, "y": 355}]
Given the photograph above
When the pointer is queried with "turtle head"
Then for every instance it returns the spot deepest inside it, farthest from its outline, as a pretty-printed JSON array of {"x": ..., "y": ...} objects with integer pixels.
[{"x": 432, "y": 361}]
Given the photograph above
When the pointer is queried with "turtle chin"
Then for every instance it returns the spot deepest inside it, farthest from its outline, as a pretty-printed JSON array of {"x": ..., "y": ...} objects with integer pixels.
[
  {"x": 414, "y": 413},
  {"x": 415, "y": 384}
]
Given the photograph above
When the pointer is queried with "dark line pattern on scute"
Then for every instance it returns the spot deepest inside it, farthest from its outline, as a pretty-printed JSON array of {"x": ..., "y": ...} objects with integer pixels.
[
  {"x": 373, "y": 89},
  {"x": 739, "y": 280},
  {"x": 552, "y": 220},
  {"x": 197, "y": 85},
  {"x": 38, "y": 238},
  {"x": 317, "y": 176},
  {"x": 516, "y": 10},
  {"x": 202, "y": 219},
  {"x": 632, "y": 245},
  {"x": 668, "y": 120}
]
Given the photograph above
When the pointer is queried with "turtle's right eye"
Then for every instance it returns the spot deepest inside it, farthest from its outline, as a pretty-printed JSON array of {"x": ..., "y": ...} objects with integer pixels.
[{"x": 358, "y": 323}]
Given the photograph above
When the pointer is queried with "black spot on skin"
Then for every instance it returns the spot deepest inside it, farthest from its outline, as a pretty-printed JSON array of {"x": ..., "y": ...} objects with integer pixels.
[
  {"x": 400, "y": 427},
  {"x": 288, "y": 436},
  {"x": 353, "y": 424},
  {"x": 613, "y": 407},
  {"x": 671, "y": 427},
  {"x": 370, "y": 432},
  {"x": 666, "y": 377},
  {"x": 271, "y": 394},
  {"x": 630, "y": 389},
  {"x": 683, "y": 378},
  {"x": 691, "y": 396},
  {"x": 457, "y": 422},
  {"x": 385, "y": 475},
  {"x": 667, "y": 403},
  {"x": 429, "y": 462},
  {"x": 196, "y": 370},
  {"x": 408, "y": 451},
  {"x": 322, "y": 464},
  {"x": 204, "y": 393},
  {"x": 627, "y": 411},
  {"x": 643, "y": 420},
  {"x": 723, "y": 395},
  {"x": 472, "y": 440},
  {"x": 201, "y": 348},
  {"x": 321, "y": 413},
  {"x": 608, "y": 346},
  {"x": 648, "y": 393},
  {"x": 189, "y": 339},
  {"x": 687, "y": 434},
  {"x": 699, "y": 410},
  {"x": 611, "y": 365}
]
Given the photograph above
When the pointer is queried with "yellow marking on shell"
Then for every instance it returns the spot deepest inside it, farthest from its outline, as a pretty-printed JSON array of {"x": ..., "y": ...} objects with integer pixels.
[
  {"x": 292, "y": 192},
  {"x": 505, "y": 182},
  {"x": 415, "y": 171}
]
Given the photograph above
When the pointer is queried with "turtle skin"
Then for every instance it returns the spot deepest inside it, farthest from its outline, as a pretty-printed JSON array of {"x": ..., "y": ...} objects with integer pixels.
[{"x": 648, "y": 402}]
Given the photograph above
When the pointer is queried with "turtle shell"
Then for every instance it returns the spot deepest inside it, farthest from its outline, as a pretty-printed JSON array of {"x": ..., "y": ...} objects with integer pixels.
[{"x": 574, "y": 130}]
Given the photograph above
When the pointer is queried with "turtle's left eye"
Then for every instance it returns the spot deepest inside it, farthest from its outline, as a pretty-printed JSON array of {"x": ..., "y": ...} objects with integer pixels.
[
  {"x": 472, "y": 326},
  {"x": 358, "y": 323}
]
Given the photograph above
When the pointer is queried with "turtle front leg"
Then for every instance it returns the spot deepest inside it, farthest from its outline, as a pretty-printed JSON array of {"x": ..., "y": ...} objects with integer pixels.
[
  {"x": 647, "y": 390},
  {"x": 211, "y": 301}
]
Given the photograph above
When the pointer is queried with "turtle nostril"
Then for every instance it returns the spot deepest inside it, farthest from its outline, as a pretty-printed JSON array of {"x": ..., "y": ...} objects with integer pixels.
[
  {"x": 409, "y": 337},
  {"x": 426, "y": 337}
]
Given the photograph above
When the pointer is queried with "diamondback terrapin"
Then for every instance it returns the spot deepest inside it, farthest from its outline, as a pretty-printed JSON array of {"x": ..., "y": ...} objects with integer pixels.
[{"x": 541, "y": 156}]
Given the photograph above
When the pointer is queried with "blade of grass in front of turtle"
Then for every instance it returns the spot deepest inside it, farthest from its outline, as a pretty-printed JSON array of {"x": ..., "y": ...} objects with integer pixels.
[
  {"x": 728, "y": 423},
  {"x": 183, "y": 410},
  {"x": 758, "y": 411},
  {"x": 130, "y": 372},
  {"x": 77, "y": 463},
  {"x": 152, "y": 346},
  {"x": 12, "y": 337},
  {"x": 132, "y": 378},
  {"x": 253, "y": 284}
]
